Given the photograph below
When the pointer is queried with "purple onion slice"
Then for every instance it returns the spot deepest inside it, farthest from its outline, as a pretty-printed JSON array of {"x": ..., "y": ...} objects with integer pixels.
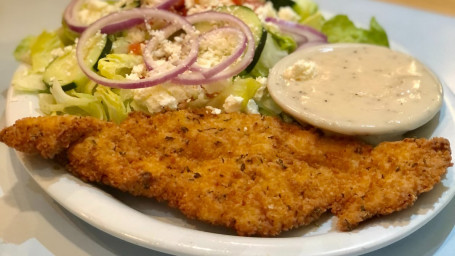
[
  {"x": 194, "y": 77},
  {"x": 302, "y": 34},
  {"x": 116, "y": 22},
  {"x": 71, "y": 19}
]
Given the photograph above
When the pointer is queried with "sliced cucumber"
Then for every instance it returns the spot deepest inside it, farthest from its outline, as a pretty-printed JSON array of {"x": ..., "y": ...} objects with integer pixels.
[
  {"x": 254, "y": 23},
  {"x": 258, "y": 51},
  {"x": 248, "y": 16},
  {"x": 66, "y": 71},
  {"x": 97, "y": 48}
]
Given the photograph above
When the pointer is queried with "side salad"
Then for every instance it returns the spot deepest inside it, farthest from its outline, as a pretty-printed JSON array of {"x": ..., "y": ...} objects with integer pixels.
[{"x": 109, "y": 58}]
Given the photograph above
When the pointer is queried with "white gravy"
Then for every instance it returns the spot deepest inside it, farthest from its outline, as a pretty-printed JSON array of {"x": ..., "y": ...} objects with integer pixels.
[{"x": 356, "y": 89}]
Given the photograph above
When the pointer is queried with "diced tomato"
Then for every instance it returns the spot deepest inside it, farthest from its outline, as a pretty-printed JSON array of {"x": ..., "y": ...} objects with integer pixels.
[
  {"x": 179, "y": 8},
  {"x": 135, "y": 48}
]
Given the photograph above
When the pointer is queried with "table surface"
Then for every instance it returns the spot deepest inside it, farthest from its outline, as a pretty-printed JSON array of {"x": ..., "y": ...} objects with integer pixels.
[
  {"x": 31, "y": 223},
  {"x": 446, "y": 7}
]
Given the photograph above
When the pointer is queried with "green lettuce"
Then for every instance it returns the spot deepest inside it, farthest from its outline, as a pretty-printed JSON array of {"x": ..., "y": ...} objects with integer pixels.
[
  {"x": 242, "y": 87},
  {"x": 41, "y": 50},
  {"x": 285, "y": 42},
  {"x": 117, "y": 66},
  {"x": 271, "y": 54},
  {"x": 305, "y": 8},
  {"x": 71, "y": 102},
  {"x": 25, "y": 80},
  {"x": 22, "y": 51},
  {"x": 113, "y": 103},
  {"x": 340, "y": 29}
]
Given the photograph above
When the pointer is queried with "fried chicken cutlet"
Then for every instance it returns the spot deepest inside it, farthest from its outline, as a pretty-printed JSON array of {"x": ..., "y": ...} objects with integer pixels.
[{"x": 255, "y": 174}]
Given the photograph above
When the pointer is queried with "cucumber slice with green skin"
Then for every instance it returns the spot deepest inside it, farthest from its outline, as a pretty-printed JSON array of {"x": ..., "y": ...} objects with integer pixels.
[
  {"x": 69, "y": 86},
  {"x": 65, "y": 70},
  {"x": 98, "y": 47},
  {"x": 254, "y": 23},
  {"x": 106, "y": 50},
  {"x": 257, "y": 51}
]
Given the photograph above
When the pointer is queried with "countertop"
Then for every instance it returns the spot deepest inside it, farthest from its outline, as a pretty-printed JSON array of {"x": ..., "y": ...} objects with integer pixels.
[
  {"x": 32, "y": 223},
  {"x": 446, "y": 7}
]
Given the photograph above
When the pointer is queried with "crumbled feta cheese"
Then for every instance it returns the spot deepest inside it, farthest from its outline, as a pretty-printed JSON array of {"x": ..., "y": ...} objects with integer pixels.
[
  {"x": 302, "y": 70},
  {"x": 214, "y": 48},
  {"x": 135, "y": 35},
  {"x": 215, "y": 111},
  {"x": 155, "y": 99},
  {"x": 265, "y": 11},
  {"x": 233, "y": 104},
  {"x": 132, "y": 76},
  {"x": 260, "y": 91},
  {"x": 183, "y": 93},
  {"x": 138, "y": 69},
  {"x": 217, "y": 86},
  {"x": 252, "y": 107},
  {"x": 166, "y": 96},
  {"x": 262, "y": 80},
  {"x": 93, "y": 10},
  {"x": 165, "y": 53},
  {"x": 136, "y": 73},
  {"x": 196, "y": 6},
  {"x": 57, "y": 52},
  {"x": 287, "y": 13}
]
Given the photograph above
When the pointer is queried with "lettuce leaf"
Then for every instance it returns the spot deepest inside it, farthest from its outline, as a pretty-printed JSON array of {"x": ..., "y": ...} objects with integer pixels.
[
  {"x": 113, "y": 103},
  {"x": 305, "y": 8},
  {"x": 71, "y": 102},
  {"x": 340, "y": 29},
  {"x": 41, "y": 50},
  {"x": 25, "y": 80},
  {"x": 242, "y": 87},
  {"x": 285, "y": 42},
  {"x": 22, "y": 52},
  {"x": 271, "y": 54},
  {"x": 117, "y": 66}
]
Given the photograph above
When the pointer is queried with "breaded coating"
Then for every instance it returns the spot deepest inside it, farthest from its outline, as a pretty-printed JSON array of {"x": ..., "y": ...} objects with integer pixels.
[
  {"x": 255, "y": 174},
  {"x": 48, "y": 135}
]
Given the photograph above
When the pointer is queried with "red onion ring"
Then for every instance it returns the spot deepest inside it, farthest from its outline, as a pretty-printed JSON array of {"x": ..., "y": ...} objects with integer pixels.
[
  {"x": 165, "y": 4},
  {"x": 70, "y": 13},
  {"x": 310, "y": 44},
  {"x": 118, "y": 18},
  {"x": 119, "y": 26},
  {"x": 301, "y": 33},
  {"x": 69, "y": 16},
  {"x": 236, "y": 52},
  {"x": 194, "y": 78}
]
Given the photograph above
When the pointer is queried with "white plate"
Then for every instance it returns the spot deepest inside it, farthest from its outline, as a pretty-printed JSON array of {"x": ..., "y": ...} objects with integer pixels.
[{"x": 153, "y": 225}]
